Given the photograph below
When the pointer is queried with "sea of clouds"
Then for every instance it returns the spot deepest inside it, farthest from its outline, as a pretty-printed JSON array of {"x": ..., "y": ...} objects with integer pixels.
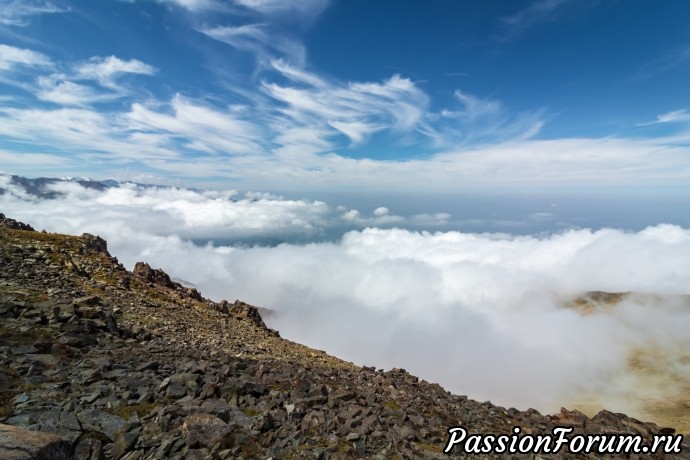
[{"x": 484, "y": 314}]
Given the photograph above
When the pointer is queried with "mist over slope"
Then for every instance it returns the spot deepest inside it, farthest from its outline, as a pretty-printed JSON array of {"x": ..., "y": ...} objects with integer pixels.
[{"x": 485, "y": 314}]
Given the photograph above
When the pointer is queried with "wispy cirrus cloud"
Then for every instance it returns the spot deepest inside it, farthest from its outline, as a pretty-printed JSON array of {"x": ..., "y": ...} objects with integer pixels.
[
  {"x": 311, "y": 8},
  {"x": 199, "y": 127},
  {"x": 105, "y": 70},
  {"x": 81, "y": 133},
  {"x": 259, "y": 40},
  {"x": 19, "y": 12},
  {"x": 27, "y": 160},
  {"x": 675, "y": 116},
  {"x": 12, "y": 57},
  {"x": 243, "y": 37},
  {"x": 251, "y": 27},
  {"x": 60, "y": 90},
  {"x": 666, "y": 63},
  {"x": 81, "y": 84},
  {"x": 355, "y": 110},
  {"x": 538, "y": 12},
  {"x": 146, "y": 133},
  {"x": 478, "y": 120},
  {"x": 194, "y": 6}
]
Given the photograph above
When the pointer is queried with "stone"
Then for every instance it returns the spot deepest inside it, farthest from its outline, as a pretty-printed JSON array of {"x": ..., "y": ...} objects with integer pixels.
[
  {"x": 89, "y": 449},
  {"x": 218, "y": 408},
  {"x": 86, "y": 301},
  {"x": 17, "y": 443},
  {"x": 124, "y": 443},
  {"x": 354, "y": 436},
  {"x": 63, "y": 424},
  {"x": 205, "y": 430},
  {"x": 175, "y": 391},
  {"x": 101, "y": 422}
]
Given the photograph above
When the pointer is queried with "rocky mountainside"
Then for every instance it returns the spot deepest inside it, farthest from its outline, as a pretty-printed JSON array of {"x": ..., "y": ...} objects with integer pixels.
[{"x": 101, "y": 363}]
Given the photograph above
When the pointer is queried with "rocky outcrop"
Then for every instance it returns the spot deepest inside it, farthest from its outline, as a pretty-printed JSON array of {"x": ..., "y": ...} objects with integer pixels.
[
  {"x": 96, "y": 243},
  {"x": 159, "y": 277},
  {"x": 117, "y": 365},
  {"x": 11, "y": 223},
  {"x": 152, "y": 275}
]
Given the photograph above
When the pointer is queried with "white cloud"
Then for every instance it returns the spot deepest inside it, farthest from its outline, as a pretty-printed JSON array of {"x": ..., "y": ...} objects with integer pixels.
[
  {"x": 80, "y": 132},
  {"x": 357, "y": 131},
  {"x": 27, "y": 160},
  {"x": 261, "y": 40},
  {"x": 310, "y": 8},
  {"x": 204, "y": 128},
  {"x": 11, "y": 57},
  {"x": 380, "y": 216},
  {"x": 355, "y": 109},
  {"x": 675, "y": 116},
  {"x": 463, "y": 309},
  {"x": 243, "y": 37},
  {"x": 18, "y": 12},
  {"x": 60, "y": 90},
  {"x": 306, "y": 8},
  {"x": 479, "y": 120},
  {"x": 65, "y": 86},
  {"x": 106, "y": 70},
  {"x": 193, "y": 5},
  {"x": 475, "y": 107}
]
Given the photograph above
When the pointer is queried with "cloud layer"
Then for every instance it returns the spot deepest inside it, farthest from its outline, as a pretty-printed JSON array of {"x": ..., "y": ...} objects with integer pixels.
[{"x": 483, "y": 314}]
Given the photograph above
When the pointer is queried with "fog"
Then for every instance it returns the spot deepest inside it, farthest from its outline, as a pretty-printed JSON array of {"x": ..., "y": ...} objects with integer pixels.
[{"x": 483, "y": 313}]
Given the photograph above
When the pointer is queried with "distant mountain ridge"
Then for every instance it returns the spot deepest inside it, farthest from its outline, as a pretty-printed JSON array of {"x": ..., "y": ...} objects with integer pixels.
[{"x": 40, "y": 186}]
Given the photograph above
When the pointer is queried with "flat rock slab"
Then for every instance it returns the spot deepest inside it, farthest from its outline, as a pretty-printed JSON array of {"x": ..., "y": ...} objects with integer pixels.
[
  {"x": 204, "y": 430},
  {"x": 60, "y": 423},
  {"x": 101, "y": 422},
  {"x": 19, "y": 444}
]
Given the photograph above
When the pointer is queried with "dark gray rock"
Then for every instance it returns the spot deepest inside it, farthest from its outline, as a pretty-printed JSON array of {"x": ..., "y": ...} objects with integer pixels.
[
  {"x": 89, "y": 449},
  {"x": 101, "y": 422},
  {"x": 124, "y": 443},
  {"x": 204, "y": 430}
]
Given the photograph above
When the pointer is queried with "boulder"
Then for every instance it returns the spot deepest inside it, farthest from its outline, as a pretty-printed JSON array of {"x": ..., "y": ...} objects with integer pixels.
[{"x": 204, "y": 430}]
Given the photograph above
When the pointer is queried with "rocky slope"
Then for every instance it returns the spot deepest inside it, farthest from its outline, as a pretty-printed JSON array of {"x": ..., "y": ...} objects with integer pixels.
[{"x": 101, "y": 363}]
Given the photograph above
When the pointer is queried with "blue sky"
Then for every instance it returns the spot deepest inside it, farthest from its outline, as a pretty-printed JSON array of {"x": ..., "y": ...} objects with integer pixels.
[{"x": 319, "y": 95}]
